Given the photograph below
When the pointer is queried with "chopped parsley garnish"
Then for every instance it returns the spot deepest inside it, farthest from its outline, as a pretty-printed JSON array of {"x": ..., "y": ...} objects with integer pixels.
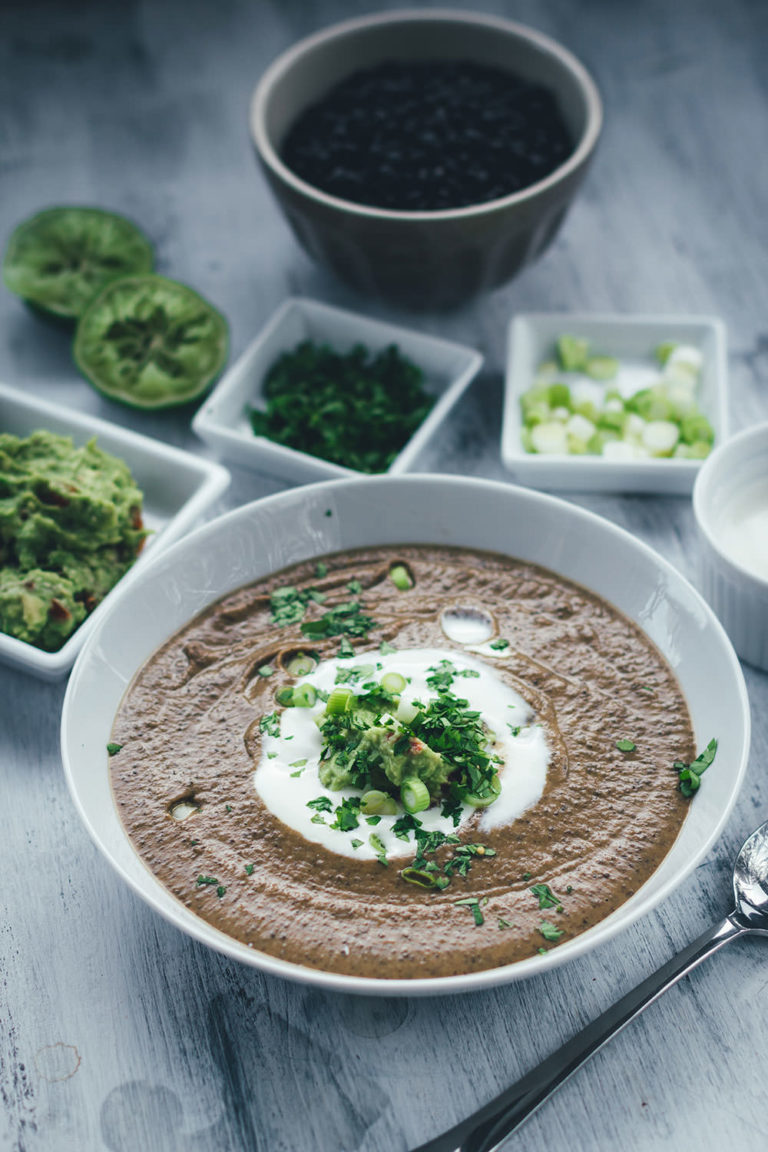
[
  {"x": 499, "y": 645},
  {"x": 354, "y": 586},
  {"x": 270, "y": 724},
  {"x": 220, "y": 891},
  {"x": 386, "y": 649},
  {"x": 690, "y": 774},
  {"x": 504, "y": 923},
  {"x": 356, "y": 408},
  {"x": 346, "y": 619},
  {"x": 321, "y": 804},
  {"x": 113, "y": 749},
  {"x": 298, "y": 763},
  {"x": 549, "y": 931},
  {"x": 317, "y": 819},
  {"x": 321, "y": 570},
  {"x": 356, "y": 843},
  {"x": 206, "y": 880},
  {"x": 373, "y": 819},
  {"x": 249, "y": 869},
  {"x": 347, "y": 814},
  {"x": 546, "y": 896},
  {"x": 515, "y": 729},
  {"x": 378, "y": 846},
  {"x": 626, "y": 745},
  {"x": 266, "y": 670},
  {"x": 345, "y": 649}
]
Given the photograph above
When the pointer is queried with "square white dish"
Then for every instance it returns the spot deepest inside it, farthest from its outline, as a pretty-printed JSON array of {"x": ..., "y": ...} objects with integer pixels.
[
  {"x": 223, "y": 422},
  {"x": 178, "y": 486},
  {"x": 631, "y": 340}
]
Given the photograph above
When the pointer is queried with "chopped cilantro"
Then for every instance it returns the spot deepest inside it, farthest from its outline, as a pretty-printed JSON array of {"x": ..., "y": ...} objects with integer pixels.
[
  {"x": 690, "y": 774},
  {"x": 549, "y": 931},
  {"x": 354, "y": 586},
  {"x": 356, "y": 843},
  {"x": 270, "y": 724},
  {"x": 499, "y": 645},
  {"x": 317, "y": 819},
  {"x": 249, "y": 869},
  {"x": 545, "y": 896},
  {"x": 206, "y": 880},
  {"x": 321, "y": 804},
  {"x": 378, "y": 846},
  {"x": 346, "y": 815},
  {"x": 386, "y": 649},
  {"x": 345, "y": 619},
  {"x": 113, "y": 749},
  {"x": 345, "y": 649},
  {"x": 298, "y": 763},
  {"x": 220, "y": 891},
  {"x": 321, "y": 570}
]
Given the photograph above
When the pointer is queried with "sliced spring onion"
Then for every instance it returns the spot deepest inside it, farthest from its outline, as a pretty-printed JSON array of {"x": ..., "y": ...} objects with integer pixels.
[
  {"x": 414, "y": 795},
  {"x": 339, "y": 701},
  {"x": 419, "y": 876},
  {"x": 301, "y": 664},
  {"x": 393, "y": 682},
  {"x": 483, "y": 801},
  {"x": 406, "y": 712},
  {"x": 401, "y": 577},
  {"x": 375, "y": 803},
  {"x": 304, "y": 696}
]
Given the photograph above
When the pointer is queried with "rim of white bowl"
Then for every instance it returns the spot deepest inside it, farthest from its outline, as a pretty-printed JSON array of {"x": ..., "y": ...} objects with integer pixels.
[
  {"x": 200, "y": 930},
  {"x": 707, "y": 477},
  {"x": 287, "y": 59}
]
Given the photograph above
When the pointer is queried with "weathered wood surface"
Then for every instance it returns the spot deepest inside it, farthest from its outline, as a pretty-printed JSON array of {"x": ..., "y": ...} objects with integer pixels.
[{"x": 117, "y": 1032}]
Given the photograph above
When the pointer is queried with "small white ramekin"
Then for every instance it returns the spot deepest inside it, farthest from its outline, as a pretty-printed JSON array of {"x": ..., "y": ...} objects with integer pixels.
[{"x": 737, "y": 595}]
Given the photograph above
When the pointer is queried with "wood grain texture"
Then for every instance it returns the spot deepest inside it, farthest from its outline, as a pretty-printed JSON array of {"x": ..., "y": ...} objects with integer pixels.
[{"x": 118, "y": 1033}]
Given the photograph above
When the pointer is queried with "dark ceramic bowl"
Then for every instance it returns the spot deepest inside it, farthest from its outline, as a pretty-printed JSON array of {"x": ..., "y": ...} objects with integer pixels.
[{"x": 423, "y": 259}]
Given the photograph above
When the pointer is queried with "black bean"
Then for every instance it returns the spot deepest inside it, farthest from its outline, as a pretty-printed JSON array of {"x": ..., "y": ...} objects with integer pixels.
[{"x": 427, "y": 135}]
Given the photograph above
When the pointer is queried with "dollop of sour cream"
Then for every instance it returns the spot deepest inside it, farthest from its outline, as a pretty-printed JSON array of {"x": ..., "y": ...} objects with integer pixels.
[
  {"x": 287, "y": 776},
  {"x": 743, "y": 529}
]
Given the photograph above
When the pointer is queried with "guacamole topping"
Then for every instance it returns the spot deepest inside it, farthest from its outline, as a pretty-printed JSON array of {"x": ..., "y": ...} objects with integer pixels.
[{"x": 70, "y": 526}]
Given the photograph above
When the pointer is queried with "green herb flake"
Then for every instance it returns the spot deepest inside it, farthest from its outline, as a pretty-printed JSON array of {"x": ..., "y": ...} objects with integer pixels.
[
  {"x": 356, "y": 843},
  {"x": 206, "y": 880},
  {"x": 373, "y": 819},
  {"x": 690, "y": 775},
  {"x": 249, "y": 869},
  {"x": 321, "y": 570},
  {"x": 266, "y": 670},
  {"x": 298, "y": 763},
  {"x": 354, "y": 586},
  {"x": 526, "y": 875},
  {"x": 379, "y": 848},
  {"x": 220, "y": 891},
  {"x": 321, "y": 804},
  {"x": 545, "y": 896},
  {"x": 113, "y": 749},
  {"x": 504, "y": 923},
  {"x": 499, "y": 645},
  {"x": 317, "y": 819},
  {"x": 386, "y": 649},
  {"x": 549, "y": 931},
  {"x": 269, "y": 725},
  {"x": 626, "y": 745}
]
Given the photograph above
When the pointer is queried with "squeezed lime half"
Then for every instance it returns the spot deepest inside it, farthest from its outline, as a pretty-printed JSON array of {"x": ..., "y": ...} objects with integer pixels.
[
  {"x": 150, "y": 342},
  {"x": 60, "y": 258}
]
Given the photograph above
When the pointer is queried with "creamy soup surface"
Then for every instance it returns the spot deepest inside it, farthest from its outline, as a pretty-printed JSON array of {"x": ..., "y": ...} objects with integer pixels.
[{"x": 221, "y": 779}]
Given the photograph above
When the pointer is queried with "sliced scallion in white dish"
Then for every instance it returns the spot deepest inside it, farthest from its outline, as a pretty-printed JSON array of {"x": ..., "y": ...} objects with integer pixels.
[{"x": 585, "y": 404}]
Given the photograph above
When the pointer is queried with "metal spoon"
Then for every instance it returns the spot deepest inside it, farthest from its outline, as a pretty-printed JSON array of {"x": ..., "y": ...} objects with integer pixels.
[{"x": 486, "y": 1129}]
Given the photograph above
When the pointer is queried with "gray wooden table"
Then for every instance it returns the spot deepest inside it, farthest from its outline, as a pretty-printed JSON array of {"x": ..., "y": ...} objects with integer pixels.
[{"x": 117, "y": 1032}]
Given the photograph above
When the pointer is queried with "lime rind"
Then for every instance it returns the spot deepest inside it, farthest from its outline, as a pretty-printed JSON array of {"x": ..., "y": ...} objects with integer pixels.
[
  {"x": 60, "y": 258},
  {"x": 150, "y": 342}
]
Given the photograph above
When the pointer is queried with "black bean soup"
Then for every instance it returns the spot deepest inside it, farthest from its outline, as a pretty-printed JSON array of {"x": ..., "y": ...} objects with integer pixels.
[{"x": 428, "y": 136}]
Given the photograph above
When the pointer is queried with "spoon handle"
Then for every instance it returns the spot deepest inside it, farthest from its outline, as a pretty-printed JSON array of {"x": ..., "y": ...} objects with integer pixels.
[{"x": 487, "y": 1128}]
